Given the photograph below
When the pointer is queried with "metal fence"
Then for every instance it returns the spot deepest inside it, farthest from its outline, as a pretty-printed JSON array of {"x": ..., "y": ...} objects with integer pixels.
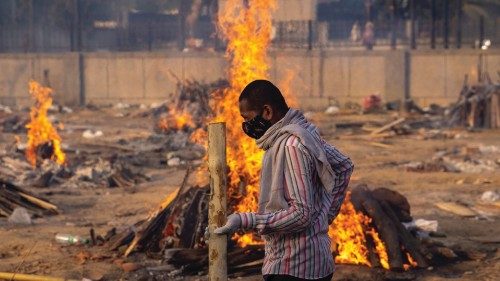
[
  {"x": 131, "y": 30},
  {"x": 469, "y": 33}
]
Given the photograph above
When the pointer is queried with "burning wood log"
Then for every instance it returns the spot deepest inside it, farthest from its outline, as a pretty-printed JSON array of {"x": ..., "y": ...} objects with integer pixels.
[
  {"x": 150, "y": 230},
  {"x": 406, "y": 238},
  {"x": 388, "y": 209},
  {"x": 385, "y": 227}
]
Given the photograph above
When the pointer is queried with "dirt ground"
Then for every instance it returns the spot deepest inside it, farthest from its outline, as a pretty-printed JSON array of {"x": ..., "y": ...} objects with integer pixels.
[{"x": 33, "y": 250}]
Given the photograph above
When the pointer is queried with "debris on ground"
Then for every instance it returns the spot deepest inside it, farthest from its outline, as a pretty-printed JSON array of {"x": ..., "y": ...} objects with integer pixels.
[
  {"x": 20, "y": 216},
  {"x": 466, "y": 159},
  {"x": 15, "y": 199},
  {"x": 478, "y": 106}
]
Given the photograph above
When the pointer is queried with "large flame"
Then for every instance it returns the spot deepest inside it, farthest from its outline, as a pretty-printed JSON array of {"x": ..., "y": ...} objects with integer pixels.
[
  {"x": 246, "y": 24},
  {"x": 40, "y": 129},
  {"x": 247, "y": 27}
]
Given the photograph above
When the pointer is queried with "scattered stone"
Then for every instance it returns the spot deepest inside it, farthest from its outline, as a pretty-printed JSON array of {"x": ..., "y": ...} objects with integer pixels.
[
  {"x": 5, "y": 109},
  {"x": 331, "y": 110},
  {"x": 90, "y": 134},
  {"x": 426, "y": 225},
  {"x": 20, "y": 216},
  {"x": 490, "y": 196},
  {"x": 121, "y": 105},
  {"x": 66, "y": 109},
  {"x": 173, "y": 162}
]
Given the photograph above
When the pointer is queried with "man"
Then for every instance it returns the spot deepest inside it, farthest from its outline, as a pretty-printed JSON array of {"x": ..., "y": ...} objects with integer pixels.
[{"x": 302, "y": 186}]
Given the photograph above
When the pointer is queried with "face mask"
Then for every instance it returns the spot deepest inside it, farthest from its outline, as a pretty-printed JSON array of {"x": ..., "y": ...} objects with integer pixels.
[{"x": 256, "y": 127}]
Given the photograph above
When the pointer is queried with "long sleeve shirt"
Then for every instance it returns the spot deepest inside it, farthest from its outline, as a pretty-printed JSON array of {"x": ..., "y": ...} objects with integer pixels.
[{"x": 296, "y": 239}]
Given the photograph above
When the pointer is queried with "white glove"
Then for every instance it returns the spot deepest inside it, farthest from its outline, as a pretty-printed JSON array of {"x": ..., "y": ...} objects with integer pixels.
[
  {"x": 233, "y": 223},
  {"x": 206, "y": 235}
]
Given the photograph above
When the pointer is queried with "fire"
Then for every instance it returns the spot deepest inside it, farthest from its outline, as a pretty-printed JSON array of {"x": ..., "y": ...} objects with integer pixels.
[
  {"x": 199, "y": 136},
  {"x": 411, "y": 262},
  {"x": 40, "y": 129},
  {"x": 348, "y": 233},
  {"x": 247, "y": 27},
  {"x": 380, "y": 248},
  {"x": 248, "y": 32},
  {"x": 176, "y": 121}
]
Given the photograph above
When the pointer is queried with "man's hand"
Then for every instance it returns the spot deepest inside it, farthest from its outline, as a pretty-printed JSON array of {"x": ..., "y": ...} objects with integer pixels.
[{"x": 233, "y": 223}]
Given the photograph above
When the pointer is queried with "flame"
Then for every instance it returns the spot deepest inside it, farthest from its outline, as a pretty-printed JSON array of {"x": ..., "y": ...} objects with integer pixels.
[
  {"x": 199, "y": 136},
  {"x": 285, "y": 87},
  {"x": 176, "y": 121},
  {"x": 348, "y": 233},
  {"x": 248, "y": 31},
  {"x": 380, "y": 248},
  {"x": 247, "y": 27},
  {"x": 411, "y": 263},
  {"x": 40, "y": 129}
]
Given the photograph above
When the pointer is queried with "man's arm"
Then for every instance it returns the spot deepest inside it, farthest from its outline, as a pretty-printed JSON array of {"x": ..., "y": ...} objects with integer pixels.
[
  {"x": 343, "y": 168},
  {"x": 298, "y": 193}
]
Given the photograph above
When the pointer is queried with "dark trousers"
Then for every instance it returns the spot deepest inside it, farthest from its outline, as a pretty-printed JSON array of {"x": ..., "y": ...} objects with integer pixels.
[{"x": 272, "y": 277}]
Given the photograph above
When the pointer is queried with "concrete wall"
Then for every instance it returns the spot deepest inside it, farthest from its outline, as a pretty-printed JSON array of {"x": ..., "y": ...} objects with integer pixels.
[
  {"x": 327, "y": 77},
  {"x": 315, "y": 78},
  {"x": 438, "y": 76},
  {"x": 288, "y": 10},
  {"x": 145, "y": 77},
  {"x": 17, "y": 69}
]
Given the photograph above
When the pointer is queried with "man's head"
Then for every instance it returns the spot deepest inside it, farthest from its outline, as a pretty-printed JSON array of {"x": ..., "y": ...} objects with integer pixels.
[{"x": 261, "y": 105}]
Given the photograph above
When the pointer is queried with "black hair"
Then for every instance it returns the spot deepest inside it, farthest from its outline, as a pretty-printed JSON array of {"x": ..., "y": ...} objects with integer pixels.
[{"x": 261, "y": 92}]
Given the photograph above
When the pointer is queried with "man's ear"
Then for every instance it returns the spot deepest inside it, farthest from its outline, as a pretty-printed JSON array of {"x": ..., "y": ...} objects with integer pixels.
[{"x": 267, "y": 113}]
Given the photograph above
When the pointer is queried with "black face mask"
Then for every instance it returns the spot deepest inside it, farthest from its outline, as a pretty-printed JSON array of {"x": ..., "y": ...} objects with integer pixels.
[{"x": 256, "y": 127}]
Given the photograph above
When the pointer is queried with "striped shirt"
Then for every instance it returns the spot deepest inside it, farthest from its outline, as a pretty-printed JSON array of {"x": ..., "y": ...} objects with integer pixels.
[{"x": 296, "y": 239}]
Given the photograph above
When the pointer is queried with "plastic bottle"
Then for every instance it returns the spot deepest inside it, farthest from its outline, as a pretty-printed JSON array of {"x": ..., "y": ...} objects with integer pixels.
[{"x": 68, "y": 239}]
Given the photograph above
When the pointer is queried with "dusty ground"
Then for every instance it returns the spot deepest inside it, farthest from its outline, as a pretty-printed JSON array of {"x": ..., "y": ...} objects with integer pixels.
[{"x": 32, "y": 249}]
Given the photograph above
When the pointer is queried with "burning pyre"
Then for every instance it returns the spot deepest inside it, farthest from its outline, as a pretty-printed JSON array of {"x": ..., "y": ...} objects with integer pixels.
[
  {"x": 247, "y": 29},
  {"x": 248, "y": 33},
  {"x": 41, "y": 133}
]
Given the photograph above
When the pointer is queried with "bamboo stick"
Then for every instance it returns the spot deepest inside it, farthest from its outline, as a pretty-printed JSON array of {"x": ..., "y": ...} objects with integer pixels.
[
  {"x": 217, "y": 244},
  {"x": 30, "y": 277},
  {"x": 43, "y": 204}
]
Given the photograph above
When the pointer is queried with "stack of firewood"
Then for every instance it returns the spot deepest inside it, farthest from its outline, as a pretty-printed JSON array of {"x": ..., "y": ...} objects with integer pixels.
[
  {"x": 478, "y": 107},
  {"x": 12, "y": 197}
]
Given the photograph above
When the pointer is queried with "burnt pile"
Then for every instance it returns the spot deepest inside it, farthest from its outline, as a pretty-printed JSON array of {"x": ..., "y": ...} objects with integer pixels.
[
  {"x": 175, "y": 233},
  {"x": 190, "y": 107},
  {"x": 13, "y": 197},
  {"x": 478, "y": 106},
  {"x": 465, "y": 159}
]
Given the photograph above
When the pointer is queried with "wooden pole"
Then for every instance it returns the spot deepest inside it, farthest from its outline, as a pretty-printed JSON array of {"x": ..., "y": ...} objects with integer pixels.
[{"x": 217, "y": 244}]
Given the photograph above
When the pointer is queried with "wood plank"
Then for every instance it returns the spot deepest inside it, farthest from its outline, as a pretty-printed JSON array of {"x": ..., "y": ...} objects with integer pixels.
[
  {"x": 388, "y": 126},
  {"x": 456, "y": 209}
]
